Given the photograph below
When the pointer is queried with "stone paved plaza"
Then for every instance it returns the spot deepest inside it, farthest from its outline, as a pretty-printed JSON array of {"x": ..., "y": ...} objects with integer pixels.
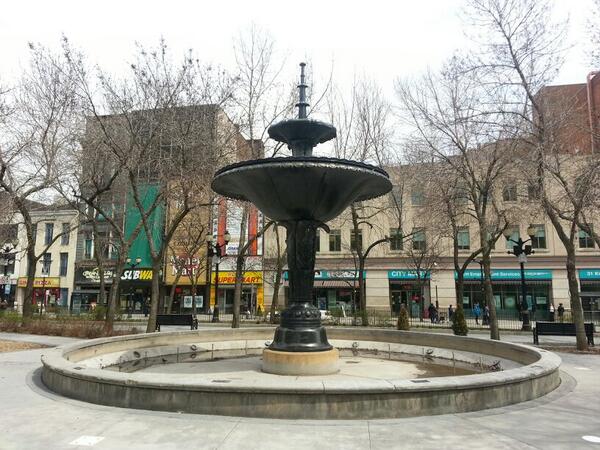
[{"x": 34, "y": 418}]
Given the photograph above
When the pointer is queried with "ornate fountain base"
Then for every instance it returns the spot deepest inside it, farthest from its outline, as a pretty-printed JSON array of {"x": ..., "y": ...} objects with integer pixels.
[{"x": 301, "y": 363}]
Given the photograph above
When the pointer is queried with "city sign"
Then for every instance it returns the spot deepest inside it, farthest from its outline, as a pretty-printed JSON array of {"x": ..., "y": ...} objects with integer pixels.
[{"x": 408, "y": 275}]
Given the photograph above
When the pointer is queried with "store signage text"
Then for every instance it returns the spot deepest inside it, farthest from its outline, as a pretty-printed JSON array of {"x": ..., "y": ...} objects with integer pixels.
[
  {"x": 589, "y": 274},
  {"x": 343, "y": 274},
  {"x": 137, "y": 274},
  {"x": 229, "y": 278},
  {"x": 509, "y": 274},
  {"x": 49, "y": 282},
  {"x": 408, "y": 275},
  {"x": 93, "y": 275}
]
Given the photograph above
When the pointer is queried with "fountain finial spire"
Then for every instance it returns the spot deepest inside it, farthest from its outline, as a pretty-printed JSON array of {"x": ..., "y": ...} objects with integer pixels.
[{"x": 302, "y": 104}]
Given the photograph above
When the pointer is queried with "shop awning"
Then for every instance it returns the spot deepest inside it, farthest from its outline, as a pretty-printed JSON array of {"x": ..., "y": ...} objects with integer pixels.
[
  {"x": 513, "y": 282},
  {"x": 348, "y": 284}
]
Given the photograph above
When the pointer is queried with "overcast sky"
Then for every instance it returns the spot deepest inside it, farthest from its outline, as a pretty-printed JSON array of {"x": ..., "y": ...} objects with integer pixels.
[{"x": 381, "y": 39}]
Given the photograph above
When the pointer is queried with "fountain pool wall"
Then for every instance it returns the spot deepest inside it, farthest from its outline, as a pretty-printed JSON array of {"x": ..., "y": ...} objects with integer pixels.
[{"x": 80, "y": 371}]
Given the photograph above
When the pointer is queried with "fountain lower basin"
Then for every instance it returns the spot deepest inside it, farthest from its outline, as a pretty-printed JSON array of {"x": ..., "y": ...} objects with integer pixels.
[{"x": 80, "y": 371}]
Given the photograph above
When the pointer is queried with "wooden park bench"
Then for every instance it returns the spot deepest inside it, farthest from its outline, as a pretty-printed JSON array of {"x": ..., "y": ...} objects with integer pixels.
[
  {"x": 176, "y": 319},
  {"x": 561, "y": 329}
]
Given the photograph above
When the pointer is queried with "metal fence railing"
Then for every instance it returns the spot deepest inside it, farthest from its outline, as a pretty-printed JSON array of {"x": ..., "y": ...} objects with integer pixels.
[{"x": 507, "y": 320}]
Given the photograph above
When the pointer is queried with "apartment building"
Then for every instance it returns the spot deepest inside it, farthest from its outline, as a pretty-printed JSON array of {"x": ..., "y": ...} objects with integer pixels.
[{"x": 55, "y": 240}]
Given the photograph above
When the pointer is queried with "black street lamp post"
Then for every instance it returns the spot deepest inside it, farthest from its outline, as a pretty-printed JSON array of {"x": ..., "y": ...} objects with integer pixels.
[
  {"x": 45, "y": 272},
  {"x": 218, "y": 250},
  {"x": 7, "y": 256},
  {"x": 521, "y": 251},
  {"x": 132, "y": 265}
]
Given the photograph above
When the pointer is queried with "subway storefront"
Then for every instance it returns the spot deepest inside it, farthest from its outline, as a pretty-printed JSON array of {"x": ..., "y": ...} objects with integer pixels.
[
  {"x": 506, "y": 286},
  {"x": 409, "y": 288}
]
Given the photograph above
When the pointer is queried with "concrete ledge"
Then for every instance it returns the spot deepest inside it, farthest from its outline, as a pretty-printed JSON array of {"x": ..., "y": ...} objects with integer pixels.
[{"x": 76, "y": 371}]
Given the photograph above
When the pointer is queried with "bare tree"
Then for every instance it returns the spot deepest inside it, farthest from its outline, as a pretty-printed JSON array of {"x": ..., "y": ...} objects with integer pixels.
[
  {"x": 522, "y": 54},
  {"x": 41, "y": 122},
  {"x": 453, "y": 120}
]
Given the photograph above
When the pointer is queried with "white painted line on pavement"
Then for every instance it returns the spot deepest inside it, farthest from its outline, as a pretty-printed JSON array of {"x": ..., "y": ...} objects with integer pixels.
[
  {"x": 87, "y": 441},
  {"x": 594, "y": 439}
]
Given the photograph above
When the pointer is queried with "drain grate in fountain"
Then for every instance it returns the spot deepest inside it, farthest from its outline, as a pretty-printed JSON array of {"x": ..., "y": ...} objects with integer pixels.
[
  {"x": 352, "y": 362},
  {"x": 221, "y": 381},
  {"x": 419, "y": 381}
]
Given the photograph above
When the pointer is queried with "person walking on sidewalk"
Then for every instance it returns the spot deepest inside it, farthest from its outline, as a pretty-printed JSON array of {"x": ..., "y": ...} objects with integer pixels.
[
  {"x": 486, "y": 315},
  {"x": 477, "y": 312},
  {"x": 561, "y": 312}
]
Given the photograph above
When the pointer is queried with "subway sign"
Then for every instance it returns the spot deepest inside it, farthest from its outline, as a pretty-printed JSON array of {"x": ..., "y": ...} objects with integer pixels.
[{"x": 509, "y": 274}]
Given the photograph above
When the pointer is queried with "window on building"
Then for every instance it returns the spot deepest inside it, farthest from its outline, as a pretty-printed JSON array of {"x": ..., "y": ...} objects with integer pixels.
[
  {"x": 585, "y": 240},
  {"x": 64, "y": 264},
  {"x": 88, "y": 247},
  {"x": 335, "y": 241},
  {"x": 514, "y": 236},
  {"x": 355, "y": 240},
  {"x": 46, "y": 263},
  {"x": 509, "y": 191},
  {"x": 538, "y": 240},
  {"x": 417, "y": 196},
  {"x": 533, "y": 191},
  {"x": 395, "y": 197},
  {"x": 463, "y": 239},
  {"x": 66, "y": 230},
  {"x": 461, "y": 194},
  {"x": 396, "y": 241},
  {"x": 418, "y": 240},
  {"x": 49, "y": 233},
  {"x": 318, "y": 240}
]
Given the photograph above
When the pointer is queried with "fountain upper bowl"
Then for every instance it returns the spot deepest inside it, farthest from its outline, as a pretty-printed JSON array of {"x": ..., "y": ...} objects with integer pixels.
[{"x": 301, "y": 188}]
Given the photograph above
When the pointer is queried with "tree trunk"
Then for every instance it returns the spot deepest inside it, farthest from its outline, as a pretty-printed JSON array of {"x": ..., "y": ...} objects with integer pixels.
[
  {"x": 172, "y": 292},
  {"x": 28, "y": 296},
  {"x": 361, "y": 287},
  {"x": 239, "y": 268},
  {"x": 237, "y": 294},
  {"x": 156, "y": 266},
  {"x": 489, "y": 297},
  {"x": 576, "y": 308},
  {"x": 113, "y": 300}
]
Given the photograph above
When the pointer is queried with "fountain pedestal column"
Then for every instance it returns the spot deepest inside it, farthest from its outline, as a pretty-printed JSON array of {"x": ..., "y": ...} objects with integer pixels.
[{"x": 300, "y": 345}]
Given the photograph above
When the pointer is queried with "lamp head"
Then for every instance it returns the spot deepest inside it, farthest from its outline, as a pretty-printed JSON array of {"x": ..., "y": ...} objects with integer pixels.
[
  {"x": 128, "y": 260},
  {"x": 507, "y": 233},
  {"x": 209, "y": 238},
  {"x": 531, "y": 231},
  {"x": 138, "y": 260},
  {"x": 226, "y": 237}
]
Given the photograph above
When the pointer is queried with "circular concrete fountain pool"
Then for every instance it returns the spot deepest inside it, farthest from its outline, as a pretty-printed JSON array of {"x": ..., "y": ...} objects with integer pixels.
[{"x": 383, "y": 374}]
